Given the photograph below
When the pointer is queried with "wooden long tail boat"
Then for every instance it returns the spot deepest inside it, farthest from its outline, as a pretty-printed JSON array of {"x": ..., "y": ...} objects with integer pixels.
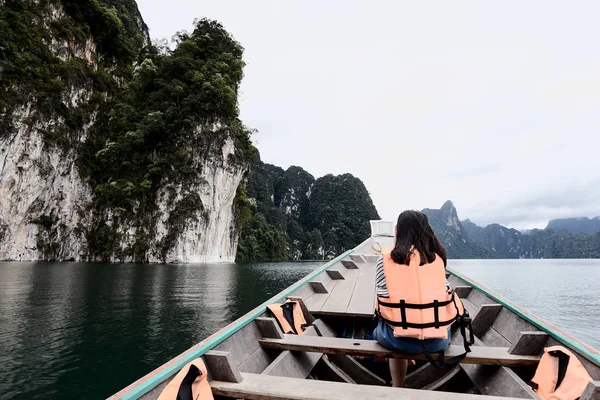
[{"x": 334, "y": 359}]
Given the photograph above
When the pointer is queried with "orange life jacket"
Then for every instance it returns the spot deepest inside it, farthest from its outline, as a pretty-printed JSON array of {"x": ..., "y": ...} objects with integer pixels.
[
  {"x": 189, "y": 383},
  {"x": 290, "y": 316},
  {"x": 418, "y": 305},
  {"x": 559, "y": 375}
]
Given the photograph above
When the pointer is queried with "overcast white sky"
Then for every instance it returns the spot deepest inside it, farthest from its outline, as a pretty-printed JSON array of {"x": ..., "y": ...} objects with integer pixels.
[{"x": 495, "y": 106}]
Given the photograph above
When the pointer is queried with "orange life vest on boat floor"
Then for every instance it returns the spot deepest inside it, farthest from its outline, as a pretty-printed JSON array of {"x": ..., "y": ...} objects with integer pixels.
[
  {"x": 189, "y": 383},
  {"x": 290, "y": 316},
  {"x": 418, "y": 305},
  {"x": 559, "y": 375}
]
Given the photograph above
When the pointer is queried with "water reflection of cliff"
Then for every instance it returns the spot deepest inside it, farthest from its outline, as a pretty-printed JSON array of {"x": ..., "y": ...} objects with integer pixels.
[{"x": 94, "y": 328}]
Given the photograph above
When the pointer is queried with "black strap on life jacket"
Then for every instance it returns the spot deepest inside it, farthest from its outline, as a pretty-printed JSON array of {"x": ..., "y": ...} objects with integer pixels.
[
  {"x": 563, "y": 364},
  {"x": 288, "y": 314},
  {"x": 464, "y": 323},
  {"x": 185, "y": 389},
  {"x": 403, "y": 305}
]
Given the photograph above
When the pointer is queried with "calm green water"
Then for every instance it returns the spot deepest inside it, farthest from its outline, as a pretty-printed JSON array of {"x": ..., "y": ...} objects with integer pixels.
[{"x": 84, "y": 331}]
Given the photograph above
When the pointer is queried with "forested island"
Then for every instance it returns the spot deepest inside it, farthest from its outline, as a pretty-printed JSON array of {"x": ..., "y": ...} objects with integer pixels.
[{"x": 295, "y": 216}]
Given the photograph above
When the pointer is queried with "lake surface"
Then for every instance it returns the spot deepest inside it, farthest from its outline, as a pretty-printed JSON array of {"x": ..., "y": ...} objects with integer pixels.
[
  {"x": 77, "y": 330},
  {"x": 566, "y": 293}
]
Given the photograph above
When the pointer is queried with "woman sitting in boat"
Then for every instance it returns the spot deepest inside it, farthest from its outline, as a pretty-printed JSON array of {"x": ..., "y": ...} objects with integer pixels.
[{"x": 413, "y": 294}]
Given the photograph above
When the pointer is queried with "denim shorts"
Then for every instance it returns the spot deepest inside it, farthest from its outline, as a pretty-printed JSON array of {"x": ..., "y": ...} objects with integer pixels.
[{"x": 384, "y": 334}]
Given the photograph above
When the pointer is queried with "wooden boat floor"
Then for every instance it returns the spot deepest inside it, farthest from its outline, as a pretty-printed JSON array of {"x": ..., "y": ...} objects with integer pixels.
[
  {"x": 355, "y": 347},
  {"x": 347, "y": 288},
  {"x": 255, "y": 386}
]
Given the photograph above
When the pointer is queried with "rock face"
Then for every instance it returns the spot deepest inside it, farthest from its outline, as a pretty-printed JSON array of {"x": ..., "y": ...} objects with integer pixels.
[
  {"x": 43, "y": 199},
  {"x": 210, "y": 235},
  {"x": 59, "y": 98},
  {"x": 452, "y": 234}
]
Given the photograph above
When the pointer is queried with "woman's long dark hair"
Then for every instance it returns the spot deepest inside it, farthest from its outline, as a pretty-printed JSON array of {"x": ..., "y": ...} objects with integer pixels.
[{"x": 413, "y": 229}]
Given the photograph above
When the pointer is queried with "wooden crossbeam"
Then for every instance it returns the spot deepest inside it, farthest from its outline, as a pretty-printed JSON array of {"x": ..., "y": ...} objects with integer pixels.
[
  {"x": 260, "y": 387},
  {"x": 355, "y": 347}
]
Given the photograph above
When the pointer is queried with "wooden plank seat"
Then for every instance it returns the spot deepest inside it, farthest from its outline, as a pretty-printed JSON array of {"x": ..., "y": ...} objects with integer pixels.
[
  {"x": 355, "y": 347},
  {"x": 254, "y": 386}
]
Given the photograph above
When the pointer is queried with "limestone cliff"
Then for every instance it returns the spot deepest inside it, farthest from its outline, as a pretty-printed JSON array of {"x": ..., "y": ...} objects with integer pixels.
[{"x": 111, "y": 150}]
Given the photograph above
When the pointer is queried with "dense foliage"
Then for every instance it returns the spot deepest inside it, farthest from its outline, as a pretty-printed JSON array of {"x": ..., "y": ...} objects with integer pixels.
[
  {"x": 178, "y": 105},
  {"x": 141, "y": 119},
  {"x": 39, "y": 67},
  {"x": 295, "y": 216}
]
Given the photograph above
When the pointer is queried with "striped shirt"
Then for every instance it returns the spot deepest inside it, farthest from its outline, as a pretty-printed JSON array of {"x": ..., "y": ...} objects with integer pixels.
[{"x": 381, "y": 284}]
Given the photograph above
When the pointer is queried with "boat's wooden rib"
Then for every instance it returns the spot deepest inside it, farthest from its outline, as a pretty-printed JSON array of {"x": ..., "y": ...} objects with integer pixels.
[
  {"x": 478, "y": 355},
  {"x": 485, "y": 317},
  {"x": 269, "y": 328},
  {"x": 442, "y": 382},
  {"x": 510, "y": 325},
  {"x": 477, "y": 297},
  {"x": 335, "y": 274},
  {"x": 243, "y": 345},
  {"x": 356, "y": 371},
  {"x": 462, "y": 291},
  {"x": 318, "y": 287},
  {"x": 294, "y": 364},
  {"x": 592, "y": 391},
  {"x": 326, "y": 370},
  {"x": 494, "y": 339},
  {"x": 529, "y": 343},
  {"x": 498, "y": 381},
  {"x": 349, "y": 264},
  {"x": 220, "y": 365},
  {"x": 470, "y": 307},
  {"x": 347, "y": 364},
  {"x": 425, "y": 375},
  {"x": 494, "y": 380},
  {"x": 261, "y": 387}
]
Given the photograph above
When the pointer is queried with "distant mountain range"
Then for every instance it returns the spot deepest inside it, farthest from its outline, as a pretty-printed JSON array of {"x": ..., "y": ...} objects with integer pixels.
[
  {"x": 563, "y": 238},
  {"x": 576, "y": 225}
]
